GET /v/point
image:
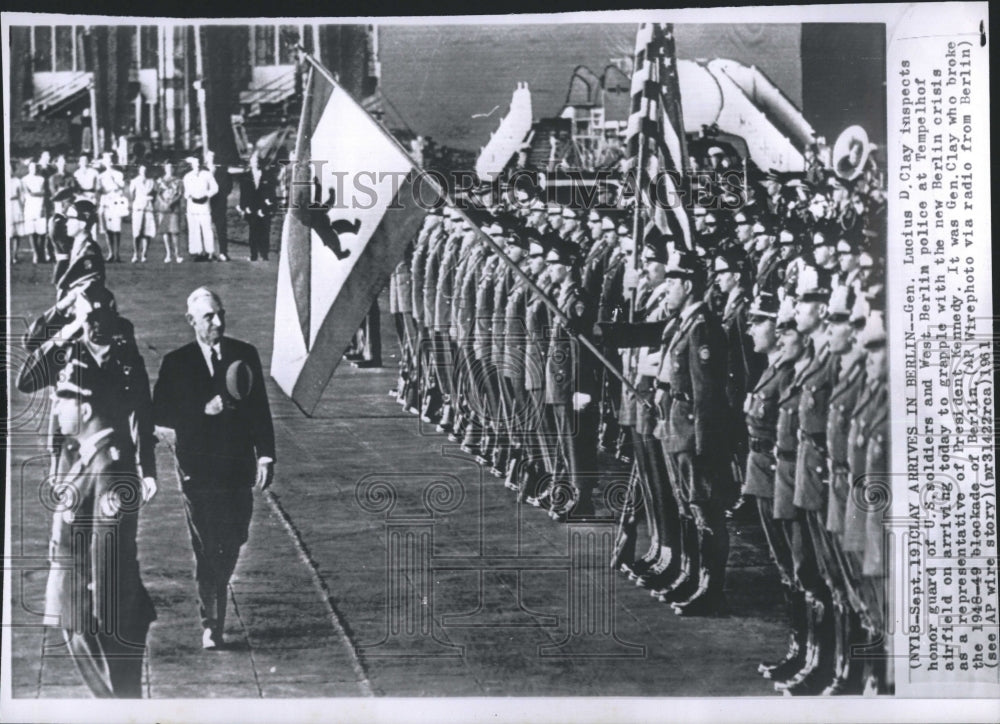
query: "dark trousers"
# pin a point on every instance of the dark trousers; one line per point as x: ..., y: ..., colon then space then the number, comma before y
x: 777, y: 541
x: 576, y: 446
x: 657, y: 493
x: 111, y: 668
x: 221, y: 228
x: 219, y: 521
x: 804, y: 561
x: 260, y: 237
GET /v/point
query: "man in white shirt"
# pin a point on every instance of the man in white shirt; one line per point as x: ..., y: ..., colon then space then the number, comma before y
x: 199, y: 188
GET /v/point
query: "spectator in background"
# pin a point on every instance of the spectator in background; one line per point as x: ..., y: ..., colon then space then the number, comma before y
x: 168, y: 192
x: 141, y: 191
x: 85, y: 177
x: 199, y: 188
x: 33, y: 209
x: 113, y: 206
x: 219, y: 204
x: 15, y: 211
x: 56, y: 182
x: 255, y: 205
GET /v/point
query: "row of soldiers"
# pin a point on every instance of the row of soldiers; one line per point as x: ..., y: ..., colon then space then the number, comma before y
x: 103, y: 464
x: 747, y: 368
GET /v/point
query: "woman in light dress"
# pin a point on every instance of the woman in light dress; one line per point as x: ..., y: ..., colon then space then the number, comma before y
x: 141, y: 191
x: 15, y: 212
x: 169, y: 191
x: 113, y: 206
x: 33, y: 210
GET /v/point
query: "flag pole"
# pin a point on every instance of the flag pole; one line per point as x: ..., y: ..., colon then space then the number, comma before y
x: 482, y: 236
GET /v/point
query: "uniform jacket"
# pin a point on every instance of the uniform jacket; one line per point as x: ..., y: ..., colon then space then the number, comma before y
x: 770, y: 271
x: 761, y: 414
x: 482, y: 341
x: 94, y: 582
x: 877, y: 482
x: 446, y: 289
x: 570, y: 367
x: 515, y: 330
x: 85, y: 260
x: 418, y: 267
x: 126, y: 376
x: 503, y: 282
x: 216, y: 450
x: 647, y: 358
x: 467, y: 288
x: 432, y: 266
x: 613, y: 305
x: 536, y: 317
x: 743, y: 365
x: 816, y: 382
x: 400, y: 286
x: 693, y: 366
x: 843, y: 400
x: 592, y: 273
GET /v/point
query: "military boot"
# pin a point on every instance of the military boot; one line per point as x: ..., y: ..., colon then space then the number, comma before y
x: 848, y: 679
x: 810, y: 657
x: 511, y: 473
x: 708, y: 597
x: 814, y: 677
x: 686, y: 581
x: 633, y: 567
x: 795, y: 657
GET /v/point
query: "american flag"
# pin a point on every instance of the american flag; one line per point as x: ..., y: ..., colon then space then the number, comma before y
x: 656, y: 125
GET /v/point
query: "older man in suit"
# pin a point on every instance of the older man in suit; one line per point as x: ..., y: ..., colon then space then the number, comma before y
x: 210, y: 393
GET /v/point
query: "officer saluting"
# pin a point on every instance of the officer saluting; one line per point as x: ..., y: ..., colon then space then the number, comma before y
x: 84, y: 326
x: 94, y: 591
x: 693, y: 366
x: 82, y: 260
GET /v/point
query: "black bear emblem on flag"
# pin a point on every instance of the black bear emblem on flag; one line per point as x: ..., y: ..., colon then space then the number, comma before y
x: 328, y: 230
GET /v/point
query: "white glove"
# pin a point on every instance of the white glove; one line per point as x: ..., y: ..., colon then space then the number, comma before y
x: 580, y: 400
x: 148, y: 489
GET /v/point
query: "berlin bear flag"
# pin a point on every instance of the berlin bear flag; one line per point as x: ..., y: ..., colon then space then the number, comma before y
x: 355, y: 202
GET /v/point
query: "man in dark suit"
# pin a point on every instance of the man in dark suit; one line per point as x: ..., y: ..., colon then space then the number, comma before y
x: 211, y: 394
x: 256, y: 205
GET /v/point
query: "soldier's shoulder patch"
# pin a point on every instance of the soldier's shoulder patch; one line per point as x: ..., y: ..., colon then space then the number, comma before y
x: 704, y: 353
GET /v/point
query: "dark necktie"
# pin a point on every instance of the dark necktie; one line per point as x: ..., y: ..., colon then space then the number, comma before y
x: 218, y: 374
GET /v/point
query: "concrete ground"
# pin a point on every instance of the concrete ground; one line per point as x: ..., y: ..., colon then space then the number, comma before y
x: 382, y: 562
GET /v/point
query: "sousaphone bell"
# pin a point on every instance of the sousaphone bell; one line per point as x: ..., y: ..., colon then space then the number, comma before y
x: 850, y: 153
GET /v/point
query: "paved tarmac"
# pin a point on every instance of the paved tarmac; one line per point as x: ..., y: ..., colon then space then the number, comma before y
x: 382, y: 562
